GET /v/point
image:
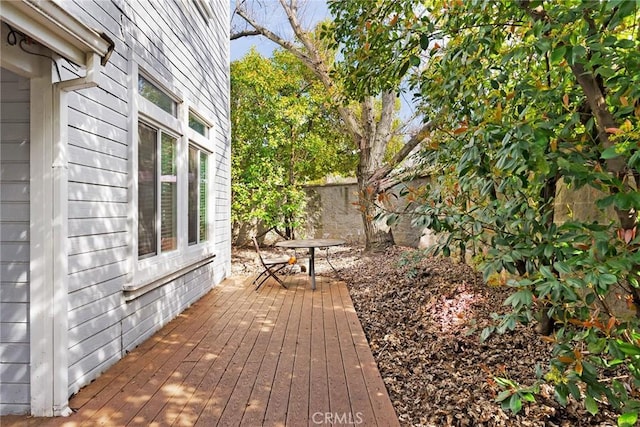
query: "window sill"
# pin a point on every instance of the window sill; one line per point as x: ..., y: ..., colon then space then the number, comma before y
x: 135, y: 290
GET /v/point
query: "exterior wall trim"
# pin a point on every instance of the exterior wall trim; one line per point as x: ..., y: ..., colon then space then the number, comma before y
x: 41, y: 274
x: 55, y: 28
x: 132, y: 292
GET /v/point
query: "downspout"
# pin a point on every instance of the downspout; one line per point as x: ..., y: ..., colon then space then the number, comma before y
x: 60, y: 230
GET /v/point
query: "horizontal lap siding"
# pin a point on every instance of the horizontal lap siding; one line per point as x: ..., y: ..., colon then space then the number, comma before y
x: 190, y: 55
x: 14, y: 244
x: 163, y: 304
x: 178, y: 45
x: 98, y: 191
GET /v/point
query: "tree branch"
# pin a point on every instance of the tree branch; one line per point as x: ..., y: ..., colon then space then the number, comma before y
x: 247, y: 33
x: 285, y: 44
x: 380, y: 180
x: 383, y: 132
x: 594, y: 93
x: 368, y: 121
x: 311, y: 58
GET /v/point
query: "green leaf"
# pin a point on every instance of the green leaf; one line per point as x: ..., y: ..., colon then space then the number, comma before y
x: 545, y: 270
x: 611, y: 152
x: 626, y: 44
x: 628, y: 349
x: 561, y: 267
x: 486, y: 332
x: 520, y: 299
x: 607, y: 279
x: 597, y: 346
x: 591, y: 405
x: 578, y: 53
x: 558, y: 54
x: 574, y: 390
x: 515, y: 403
x: 561, y: 393
x: 628, y: 419
x: 627, y: 200
x: 424, y: 41
x: 528, y: 397
x: 605, y: 202
x: 404, y: 68
x: 504, y: 394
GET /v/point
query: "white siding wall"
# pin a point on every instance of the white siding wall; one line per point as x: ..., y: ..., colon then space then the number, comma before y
x: 14, y: 244
x: 174, y: 40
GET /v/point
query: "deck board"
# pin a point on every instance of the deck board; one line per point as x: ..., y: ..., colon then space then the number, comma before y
x: 318, y: 378
x: 298, y: 393
x: 275, y: 357
x: 336, y: 375
x: 256, y: 407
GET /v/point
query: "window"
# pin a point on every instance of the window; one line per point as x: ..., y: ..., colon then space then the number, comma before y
x: 173, y: 193
x: 156, y: 96
x: 169, y: 194
x: 198, y: 190
x: 157, y: 175
x: 147, y: 199
x: 198, y: 125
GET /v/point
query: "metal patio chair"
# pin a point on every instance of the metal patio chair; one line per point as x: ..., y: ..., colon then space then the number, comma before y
x: 271, y: 266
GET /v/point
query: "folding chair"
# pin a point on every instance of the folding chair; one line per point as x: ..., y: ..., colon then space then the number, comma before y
x: 270, y: 267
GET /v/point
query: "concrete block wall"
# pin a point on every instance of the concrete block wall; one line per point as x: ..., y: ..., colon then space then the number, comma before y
x: 580, y: 204
x: 332, y: 212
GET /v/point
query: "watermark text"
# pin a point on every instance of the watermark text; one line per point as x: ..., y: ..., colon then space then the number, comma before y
x: 337, y: 418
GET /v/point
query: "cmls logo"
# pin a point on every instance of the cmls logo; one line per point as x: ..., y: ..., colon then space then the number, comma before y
x: 336, y: 418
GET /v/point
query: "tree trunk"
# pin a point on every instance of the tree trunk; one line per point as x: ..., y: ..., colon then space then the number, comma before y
x: 377, y: 239
x: 547, y: 195
x: 371, y: 130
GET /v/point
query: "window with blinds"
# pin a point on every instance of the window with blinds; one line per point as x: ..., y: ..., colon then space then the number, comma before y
x: 198, y: 190
x: 157, y: 175
x: 147, y: 196
x: 174, y: 157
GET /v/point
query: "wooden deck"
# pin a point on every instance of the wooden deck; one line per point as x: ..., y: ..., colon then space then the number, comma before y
x: 274, y: 357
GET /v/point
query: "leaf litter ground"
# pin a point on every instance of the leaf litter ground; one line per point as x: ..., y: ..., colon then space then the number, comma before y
x: 423, y: 317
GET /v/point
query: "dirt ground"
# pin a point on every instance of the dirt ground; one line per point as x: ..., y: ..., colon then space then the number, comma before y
x: 423, y: 317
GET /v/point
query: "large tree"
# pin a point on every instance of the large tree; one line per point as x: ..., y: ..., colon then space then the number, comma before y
x: 368, y: 120
x: 284, y: 134
x: 527, y: 93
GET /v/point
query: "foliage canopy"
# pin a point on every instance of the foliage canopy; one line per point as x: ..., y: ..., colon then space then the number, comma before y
x: 284, y: 135
x: 527, y: 95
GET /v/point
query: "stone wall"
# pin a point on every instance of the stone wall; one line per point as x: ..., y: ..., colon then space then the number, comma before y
x: 332, y: 212
x: 580, y: 204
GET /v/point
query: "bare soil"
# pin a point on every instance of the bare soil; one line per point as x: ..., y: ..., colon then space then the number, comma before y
x: 423, y: 317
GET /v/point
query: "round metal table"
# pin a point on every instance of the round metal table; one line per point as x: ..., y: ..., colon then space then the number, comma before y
x: 311, y: 244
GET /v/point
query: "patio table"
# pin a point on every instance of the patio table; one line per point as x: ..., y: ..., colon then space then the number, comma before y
x: 311, y: 244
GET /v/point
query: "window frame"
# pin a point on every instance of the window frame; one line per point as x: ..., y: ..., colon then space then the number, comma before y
x: 204, y: 122
x: 160, y: 132
x: 207, y: 219
x: 149, y: 272
x: 204, y: 144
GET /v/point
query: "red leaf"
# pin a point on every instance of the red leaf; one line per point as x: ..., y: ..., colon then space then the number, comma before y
x: 460, y: 130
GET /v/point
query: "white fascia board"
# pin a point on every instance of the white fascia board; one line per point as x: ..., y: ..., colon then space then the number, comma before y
x: 52, y: 26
